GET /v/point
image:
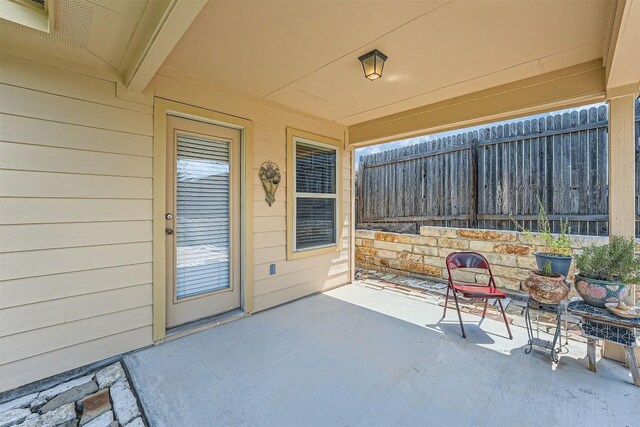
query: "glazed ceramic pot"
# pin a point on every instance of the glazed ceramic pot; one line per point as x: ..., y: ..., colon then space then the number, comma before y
x: 547, y: 290
x: 560, y: 264
x: 599, y: 292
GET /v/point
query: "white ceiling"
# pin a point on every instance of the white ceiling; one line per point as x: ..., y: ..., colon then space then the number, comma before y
x: 303, y: 54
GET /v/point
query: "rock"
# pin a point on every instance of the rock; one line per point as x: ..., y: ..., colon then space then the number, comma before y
x: 37, y: 403
x: 70, y: 423
x: 32, y: 416
x: 124, y: 402
x: 32, y: 422
x: 71, y: 395
x: 60, y: 415
x: 61, y: 388
x: 13, y: 416
x: 21, y: 402
x: 103, y: 420
x: 108, y: 376
x: 115, y: 424
x: 514, y: 310
x: 55, y: 417
x: 95, y: 405
x: 136, y: 423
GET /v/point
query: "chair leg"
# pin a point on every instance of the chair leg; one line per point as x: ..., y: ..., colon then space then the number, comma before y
x: 446, y: 301
x: 484, y: 312
x: 455, y: 297
x: 504, y: 316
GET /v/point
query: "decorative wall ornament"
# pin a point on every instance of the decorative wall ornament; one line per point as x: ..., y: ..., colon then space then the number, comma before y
x: 270, y: 176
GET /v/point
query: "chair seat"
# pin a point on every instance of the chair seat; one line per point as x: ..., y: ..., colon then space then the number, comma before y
x: 471, y: 291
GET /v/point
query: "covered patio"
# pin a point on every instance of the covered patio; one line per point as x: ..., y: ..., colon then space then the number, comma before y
x: 360, y: 356
x: 168, y: 166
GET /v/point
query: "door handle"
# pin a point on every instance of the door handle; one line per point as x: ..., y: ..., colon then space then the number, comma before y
x: 168, y: 231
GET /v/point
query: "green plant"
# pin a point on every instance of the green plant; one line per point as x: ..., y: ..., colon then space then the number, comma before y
x: 559, y: 244
x: 615, y: 261
x: 546, y: 271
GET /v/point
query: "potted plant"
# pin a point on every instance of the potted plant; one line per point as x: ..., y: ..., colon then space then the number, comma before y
x: 605, y: 271
x: 545, y: 286
x: 559, y: 245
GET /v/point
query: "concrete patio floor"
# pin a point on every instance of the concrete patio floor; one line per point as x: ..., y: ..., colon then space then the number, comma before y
x: 356, y: 356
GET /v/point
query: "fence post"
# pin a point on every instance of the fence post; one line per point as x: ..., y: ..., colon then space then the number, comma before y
x: 360, y: 193
x: 473, y: 185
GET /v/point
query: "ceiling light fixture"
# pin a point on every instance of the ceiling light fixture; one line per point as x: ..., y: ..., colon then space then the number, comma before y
x: 373, y: 63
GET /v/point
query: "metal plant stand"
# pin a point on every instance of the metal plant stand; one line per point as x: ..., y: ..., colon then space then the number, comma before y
x: 553, y: 346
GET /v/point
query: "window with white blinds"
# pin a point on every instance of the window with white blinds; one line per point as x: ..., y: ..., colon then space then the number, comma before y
x: 315, y: 195
x: 202, y: 220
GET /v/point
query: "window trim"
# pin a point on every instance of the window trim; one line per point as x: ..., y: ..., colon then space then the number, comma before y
x: 294, y: 135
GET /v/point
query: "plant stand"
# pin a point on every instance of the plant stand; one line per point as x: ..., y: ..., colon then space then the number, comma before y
x: 552, y: 346
x: 598, y: 324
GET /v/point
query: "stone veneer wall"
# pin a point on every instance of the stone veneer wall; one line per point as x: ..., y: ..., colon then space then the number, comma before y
x: 510, y: 253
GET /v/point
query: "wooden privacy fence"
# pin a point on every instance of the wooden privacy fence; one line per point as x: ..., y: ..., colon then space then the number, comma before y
x: 477, y: 179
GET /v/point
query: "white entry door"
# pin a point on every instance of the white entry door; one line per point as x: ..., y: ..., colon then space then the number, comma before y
x: 202, y: 220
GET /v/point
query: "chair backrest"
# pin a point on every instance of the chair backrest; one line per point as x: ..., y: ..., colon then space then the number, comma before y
x: 457, y: 260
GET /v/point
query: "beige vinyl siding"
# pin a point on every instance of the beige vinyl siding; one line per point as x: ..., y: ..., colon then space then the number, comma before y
x: 75, y: 221
x: 76, y: 168
x: 17, y: 265
x: 31, y: 103
x: 32, y: 290
x: 28, y: 237
x: 24, y: 157
x: 66, y: 358
x: 53, y: 134
x: 296, y: 278
x: 49, y: 211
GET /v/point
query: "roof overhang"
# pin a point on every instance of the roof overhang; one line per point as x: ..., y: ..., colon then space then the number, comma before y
x: 161, y: 27
x: 622, y: 59
x: 564, y: 88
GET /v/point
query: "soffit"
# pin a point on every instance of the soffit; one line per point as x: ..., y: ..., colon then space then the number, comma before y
x: 93, y: 32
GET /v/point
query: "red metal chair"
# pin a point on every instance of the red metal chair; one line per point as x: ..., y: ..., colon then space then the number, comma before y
x: 487, y: 291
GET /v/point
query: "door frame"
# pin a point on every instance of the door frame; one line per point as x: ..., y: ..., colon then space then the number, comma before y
x: 161, y: 108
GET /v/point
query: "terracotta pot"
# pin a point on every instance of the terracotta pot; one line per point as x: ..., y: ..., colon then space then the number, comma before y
x: 547, y: 290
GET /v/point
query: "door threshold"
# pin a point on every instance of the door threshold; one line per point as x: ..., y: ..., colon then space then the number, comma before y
x: 204, y: 324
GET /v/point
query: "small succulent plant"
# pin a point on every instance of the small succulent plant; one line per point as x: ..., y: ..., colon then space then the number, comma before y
x: 546, y: 271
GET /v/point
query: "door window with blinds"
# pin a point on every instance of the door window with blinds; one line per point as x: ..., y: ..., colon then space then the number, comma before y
x: 203, y: 221
x: 315, y: 194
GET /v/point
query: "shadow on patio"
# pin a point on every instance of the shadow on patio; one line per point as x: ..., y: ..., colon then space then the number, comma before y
x: 359, y: 356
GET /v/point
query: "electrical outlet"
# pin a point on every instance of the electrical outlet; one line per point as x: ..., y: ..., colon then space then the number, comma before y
x: 272, y: 269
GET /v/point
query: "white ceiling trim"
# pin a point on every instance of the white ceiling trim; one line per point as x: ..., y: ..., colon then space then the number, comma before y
x: 162, y: 25
x: 623, y: 53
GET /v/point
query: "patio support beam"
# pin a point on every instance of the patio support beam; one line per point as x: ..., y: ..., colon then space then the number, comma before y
x: 573, y: 86
x: 161, y: 27
x: 622, y: 61
x: 622, y: 156
x: 622, y: 201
